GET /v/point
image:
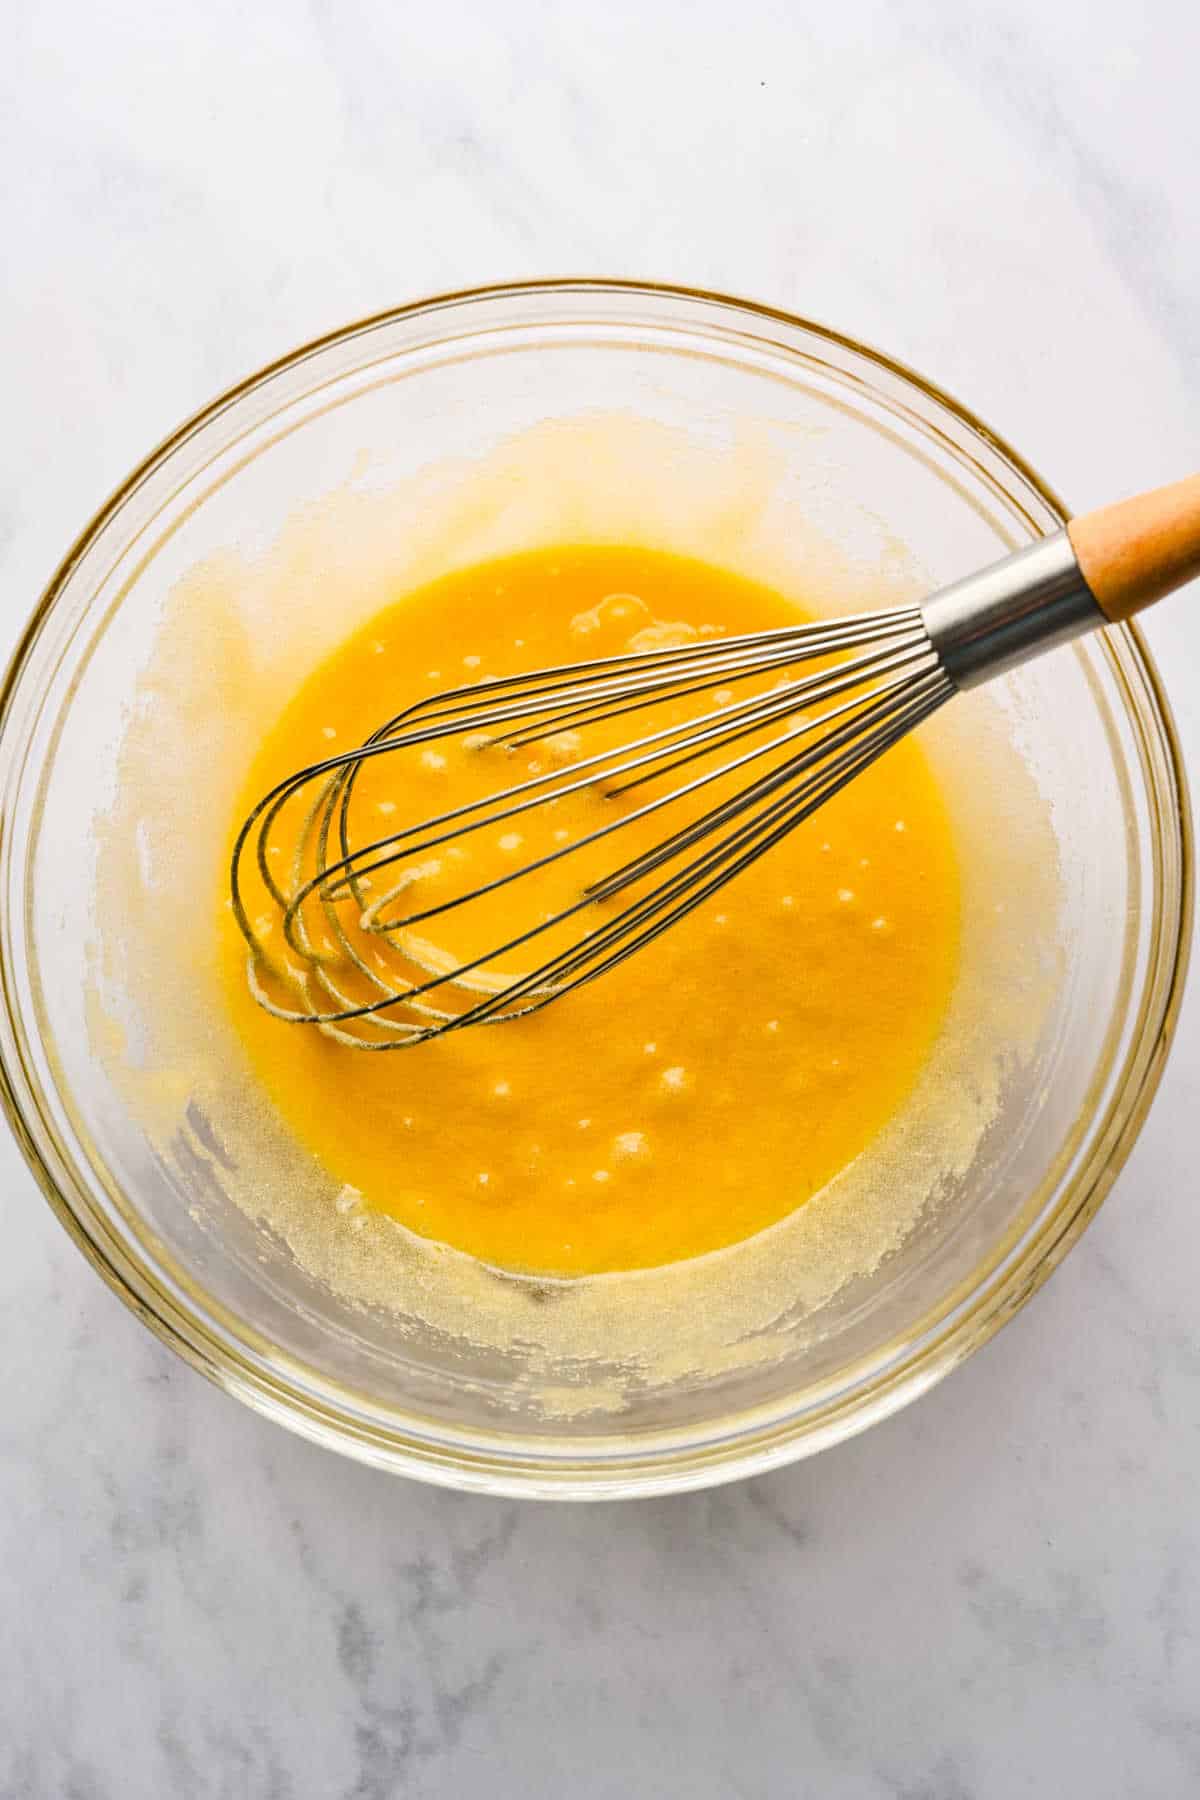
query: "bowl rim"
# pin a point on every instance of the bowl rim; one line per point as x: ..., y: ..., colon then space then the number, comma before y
x: 745, y: 1449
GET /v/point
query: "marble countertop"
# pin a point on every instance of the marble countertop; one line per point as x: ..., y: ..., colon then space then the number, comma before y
x: 996, y: 1593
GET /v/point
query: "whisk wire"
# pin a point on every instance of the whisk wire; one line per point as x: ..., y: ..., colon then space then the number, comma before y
x: 748, y: 716
x: 880, y: 669
x: 654, y: 912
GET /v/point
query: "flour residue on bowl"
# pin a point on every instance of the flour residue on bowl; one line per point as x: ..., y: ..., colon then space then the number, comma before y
x: 239, y: 635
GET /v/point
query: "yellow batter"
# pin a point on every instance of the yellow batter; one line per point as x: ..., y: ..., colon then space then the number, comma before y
x: 708, y: 1086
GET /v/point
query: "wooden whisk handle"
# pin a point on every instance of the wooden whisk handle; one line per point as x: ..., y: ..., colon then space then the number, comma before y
x: 1133, y: 553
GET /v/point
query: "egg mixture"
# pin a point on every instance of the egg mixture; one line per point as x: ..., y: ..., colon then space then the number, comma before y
x: 696, y: 1094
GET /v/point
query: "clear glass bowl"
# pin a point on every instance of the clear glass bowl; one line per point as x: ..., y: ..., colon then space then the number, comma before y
x: 867, y: 452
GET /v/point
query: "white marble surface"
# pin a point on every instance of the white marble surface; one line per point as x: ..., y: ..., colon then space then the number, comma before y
x: 996, y: 1594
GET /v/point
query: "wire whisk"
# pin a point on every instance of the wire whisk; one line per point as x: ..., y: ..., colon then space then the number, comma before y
x: 753, y: 734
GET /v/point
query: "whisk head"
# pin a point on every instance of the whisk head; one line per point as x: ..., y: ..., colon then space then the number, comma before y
x: 643, y: 783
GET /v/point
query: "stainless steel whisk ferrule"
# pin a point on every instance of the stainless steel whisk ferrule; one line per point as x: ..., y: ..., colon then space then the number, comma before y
x: 1000, y: 617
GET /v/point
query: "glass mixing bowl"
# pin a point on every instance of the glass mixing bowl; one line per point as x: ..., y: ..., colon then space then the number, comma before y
x: 866, y: 453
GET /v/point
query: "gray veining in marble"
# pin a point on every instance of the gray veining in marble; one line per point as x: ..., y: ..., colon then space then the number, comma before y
x: 996, y: 1594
